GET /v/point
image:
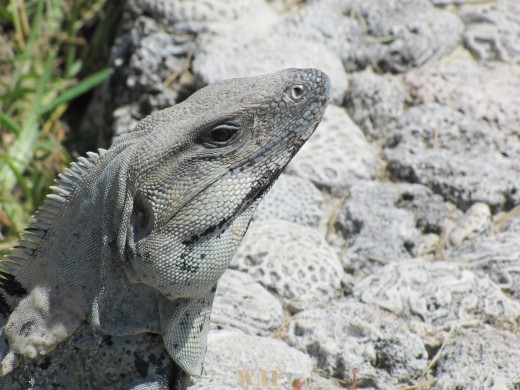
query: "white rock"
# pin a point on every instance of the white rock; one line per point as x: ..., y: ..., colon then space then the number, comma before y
x: 475, y: 221
x: 237, y: 361
x: 243, y: 304
x: 350, y: 335
x: 440, y: 294
x: 294, y: 261
x: 292, y: 199
x: 479, y: 358
x: 336, y: 154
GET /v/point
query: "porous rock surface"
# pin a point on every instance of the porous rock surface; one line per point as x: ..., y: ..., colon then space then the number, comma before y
x: 235, y: 361
x: 349, y: 335
x: 390, y: 245
x: 440, y: 294
x: 463, y: 160
x: 336, y: 154
x: 385, y: 222
x: 292, y: 260
x: 292, y: 199
x: 483, y: 358
x: 492, y: 30
x: 241, y: 303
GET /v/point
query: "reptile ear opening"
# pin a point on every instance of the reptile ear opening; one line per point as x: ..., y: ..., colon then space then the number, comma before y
x: 141, y: 219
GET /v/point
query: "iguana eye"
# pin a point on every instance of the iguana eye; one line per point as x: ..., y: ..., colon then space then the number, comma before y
x: 297, y: 91
x: 221, y: 135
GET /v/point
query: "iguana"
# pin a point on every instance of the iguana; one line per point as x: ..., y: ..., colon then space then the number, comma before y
x: 135, y: 238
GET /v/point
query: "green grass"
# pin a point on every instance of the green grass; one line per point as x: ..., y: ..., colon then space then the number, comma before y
x: 42, y: 65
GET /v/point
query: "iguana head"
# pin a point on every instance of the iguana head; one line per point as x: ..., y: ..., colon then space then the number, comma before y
x: 196, y: 178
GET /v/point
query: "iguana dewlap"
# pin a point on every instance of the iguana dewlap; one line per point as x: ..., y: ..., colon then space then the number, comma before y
x: 135, y: 238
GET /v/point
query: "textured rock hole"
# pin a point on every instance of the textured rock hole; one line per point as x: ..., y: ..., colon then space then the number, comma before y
x: 45, y: 363
x: 355, y: 331
x: 331, y: 173
x: 323, y: 273
x: 340, y: 367
x: 275, y: 278
x: 407, y: 197
x: 383, y: 360
x: 298, y: 330
x: 410, y: 247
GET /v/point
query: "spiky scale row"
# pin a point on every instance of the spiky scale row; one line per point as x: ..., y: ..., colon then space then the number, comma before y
x: 45, y: 216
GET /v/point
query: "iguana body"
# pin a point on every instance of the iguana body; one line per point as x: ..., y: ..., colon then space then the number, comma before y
x: 135, y: 238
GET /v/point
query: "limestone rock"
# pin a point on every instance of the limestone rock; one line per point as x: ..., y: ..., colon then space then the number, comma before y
x: 96, y: 360
x: 497, y: 256
x: 479, y: 358
x: 492, y: 30
x: 375, y: 102
x: 235, y: 361
x: 404, y: 34
x: 241, y: 303
x: 351, y: 336
x: 336, y: 154
x: 383, y: 222
x: 462, y: 160
x: 475, y: 221
x: 292, y: 199
x: 485, y: 92
x: 439, y: 294
x: 196, y: 10
x: 340, y: 33
x: 292, y: 260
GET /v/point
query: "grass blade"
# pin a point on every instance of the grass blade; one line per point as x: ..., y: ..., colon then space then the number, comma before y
x: 77, y: 90
x: 10, y: 123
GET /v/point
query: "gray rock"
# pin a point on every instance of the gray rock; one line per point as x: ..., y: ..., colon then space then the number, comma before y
x: 476, y: 221
x: 292, y: 199
x: 336, y: 154
x: 447, y: 2
x: 485, y: 92
x: 92, y: 360
x: 327, y: 25
x: 243, y: 304
x: 507, y: 221
x: 479, y: 358
x: 404, y: 33
x: 492, y: 30
x: 317, y: 382
x: 497, y: 255
x: 351, y: 336
x: 237, y: 361
x: 458, y: 158
x: 440, y: 294
x: 223, y: 56
x: 292, y: 260
x: 375, y: 102
x: 195, y: 10
x: 382, y: 223
x: 143, y: 60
